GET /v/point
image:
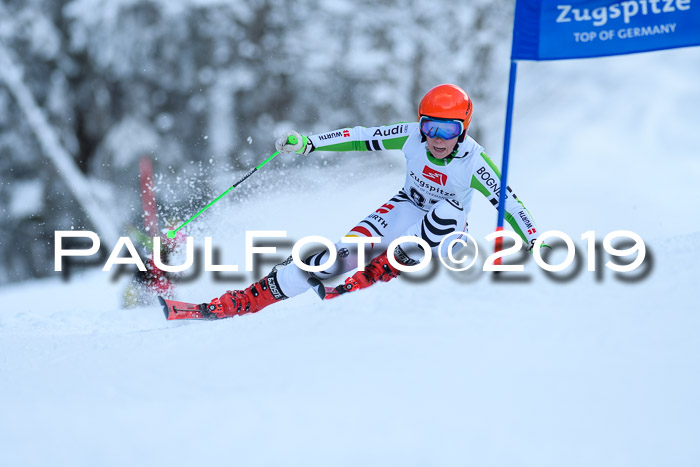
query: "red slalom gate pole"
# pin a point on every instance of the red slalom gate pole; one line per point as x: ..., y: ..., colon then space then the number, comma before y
x: 148, y: 196
x: 498, y: 247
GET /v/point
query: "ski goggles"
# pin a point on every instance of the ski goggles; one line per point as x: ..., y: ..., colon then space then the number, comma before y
x: 441, y: 128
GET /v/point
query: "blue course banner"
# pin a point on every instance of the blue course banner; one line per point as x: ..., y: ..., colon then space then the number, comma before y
x: 558, y: 29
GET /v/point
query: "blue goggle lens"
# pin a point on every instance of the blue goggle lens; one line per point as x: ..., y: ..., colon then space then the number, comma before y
x: 445, y: 129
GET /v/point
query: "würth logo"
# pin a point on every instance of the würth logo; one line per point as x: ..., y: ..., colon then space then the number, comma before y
x: 434, y: 176
x: 346, y: 133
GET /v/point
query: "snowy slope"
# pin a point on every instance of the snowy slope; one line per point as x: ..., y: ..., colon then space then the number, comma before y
x: 457, y: 370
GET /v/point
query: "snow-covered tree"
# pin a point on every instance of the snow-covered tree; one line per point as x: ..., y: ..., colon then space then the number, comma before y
x: 204, y: 84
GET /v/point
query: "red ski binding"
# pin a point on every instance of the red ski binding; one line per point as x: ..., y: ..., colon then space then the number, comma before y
x: 326, y: 293
x: 350, y: 285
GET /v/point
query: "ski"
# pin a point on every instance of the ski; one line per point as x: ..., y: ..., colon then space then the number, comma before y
x: 183, y: 310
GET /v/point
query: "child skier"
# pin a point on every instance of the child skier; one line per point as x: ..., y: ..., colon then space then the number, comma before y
x: 444, y: 166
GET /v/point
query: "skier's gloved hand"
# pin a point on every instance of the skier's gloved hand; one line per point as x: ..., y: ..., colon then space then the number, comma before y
x: 532, y: 245
x: 291, y: 141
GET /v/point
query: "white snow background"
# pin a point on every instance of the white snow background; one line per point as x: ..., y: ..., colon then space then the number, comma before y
x: 451, y: 371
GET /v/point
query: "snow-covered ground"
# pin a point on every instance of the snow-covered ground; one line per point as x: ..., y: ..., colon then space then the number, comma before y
x: 456, y: 370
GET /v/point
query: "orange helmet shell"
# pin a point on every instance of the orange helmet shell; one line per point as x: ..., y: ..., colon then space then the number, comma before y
x: 447, y: 101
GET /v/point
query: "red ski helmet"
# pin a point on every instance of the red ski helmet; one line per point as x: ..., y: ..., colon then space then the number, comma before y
x: 447, y: 101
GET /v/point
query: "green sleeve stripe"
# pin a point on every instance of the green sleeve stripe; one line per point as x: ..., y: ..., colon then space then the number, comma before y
x: 491, y: 164
x: 511, y: 220
x: 345, y: 146
x: 479, y: 186
x: 395, y: 143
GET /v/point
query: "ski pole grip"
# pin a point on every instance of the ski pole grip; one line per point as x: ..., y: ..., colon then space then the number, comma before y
x: 292, y: 139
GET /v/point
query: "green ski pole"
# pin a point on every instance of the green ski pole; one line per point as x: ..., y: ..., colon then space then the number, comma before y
x: 172, y: 233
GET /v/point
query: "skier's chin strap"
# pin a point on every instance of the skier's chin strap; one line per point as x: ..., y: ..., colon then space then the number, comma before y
x: 453, y: 156
x: 447, y: 159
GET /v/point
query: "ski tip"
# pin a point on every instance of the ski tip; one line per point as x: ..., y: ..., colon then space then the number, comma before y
x: 162, y: 302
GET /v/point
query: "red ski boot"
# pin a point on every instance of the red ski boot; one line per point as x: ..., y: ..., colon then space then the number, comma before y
x: 251, y: 300
x: 379, y: 269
